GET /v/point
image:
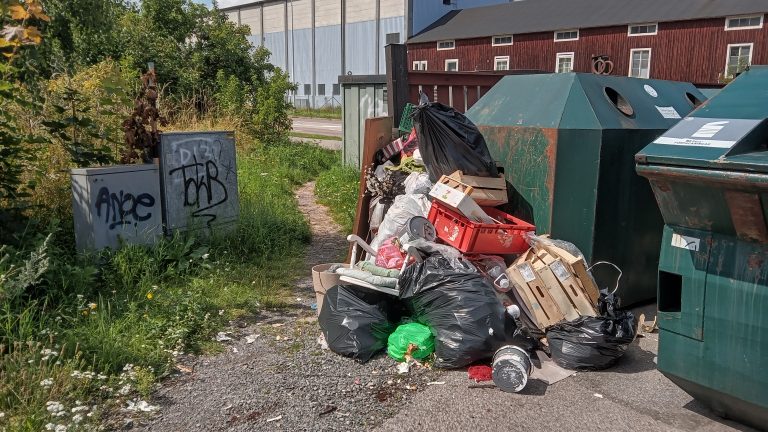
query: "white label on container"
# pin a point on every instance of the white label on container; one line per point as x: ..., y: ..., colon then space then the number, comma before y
x: 650, y: 90
x: 668, y: 112
x: 685, y: 242
x: 707, y: 132
x: 560, y: 271
x: 526, y: 271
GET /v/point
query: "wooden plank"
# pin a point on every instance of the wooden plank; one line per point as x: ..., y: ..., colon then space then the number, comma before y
x: 378, y: 133
x: 397, y: 80
x: 552, y: 285
x: 535, y: 311
x: 538, y: 290
x: 579, y: 268
x: 572, y: 288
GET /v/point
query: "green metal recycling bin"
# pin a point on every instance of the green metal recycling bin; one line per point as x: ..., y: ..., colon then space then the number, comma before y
x: 567, y: 143
x: 710, y: 177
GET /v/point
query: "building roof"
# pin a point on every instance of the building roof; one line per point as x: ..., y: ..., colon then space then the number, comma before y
x: 532, y: 16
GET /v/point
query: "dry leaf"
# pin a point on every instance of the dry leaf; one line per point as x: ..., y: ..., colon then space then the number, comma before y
x: 18, y: 12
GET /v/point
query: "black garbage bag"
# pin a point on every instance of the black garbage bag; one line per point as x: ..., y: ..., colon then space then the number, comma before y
x: 448, y: 141
x: 459, y: 305
x: 356, y: 323
x: 593, y: 343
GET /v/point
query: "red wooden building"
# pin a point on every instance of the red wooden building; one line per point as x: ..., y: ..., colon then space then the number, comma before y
x: 699, y: 41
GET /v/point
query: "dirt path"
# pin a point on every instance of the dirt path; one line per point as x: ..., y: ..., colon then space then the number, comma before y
x: 275, y: 376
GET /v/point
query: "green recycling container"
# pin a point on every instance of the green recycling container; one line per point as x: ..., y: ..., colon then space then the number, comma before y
x: 567, y: 144
x: 710, y: 177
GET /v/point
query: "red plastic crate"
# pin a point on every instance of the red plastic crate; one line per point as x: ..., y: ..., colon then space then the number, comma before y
x: 473, y: 237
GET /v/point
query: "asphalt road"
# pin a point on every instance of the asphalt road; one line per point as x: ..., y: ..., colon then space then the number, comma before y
x: 317, y: 126
x: 632, y: 396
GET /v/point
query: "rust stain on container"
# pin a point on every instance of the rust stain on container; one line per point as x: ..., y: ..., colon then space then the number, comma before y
x: 747, y: 215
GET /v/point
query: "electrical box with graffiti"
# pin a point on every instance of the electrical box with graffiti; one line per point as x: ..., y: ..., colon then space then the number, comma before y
x: 198, y: 176
x: 116, y: 204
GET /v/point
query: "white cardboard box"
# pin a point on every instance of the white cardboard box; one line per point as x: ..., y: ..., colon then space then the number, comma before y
x: 460, y: 202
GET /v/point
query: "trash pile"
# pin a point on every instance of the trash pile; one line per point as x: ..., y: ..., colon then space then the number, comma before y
x: 443, y: 278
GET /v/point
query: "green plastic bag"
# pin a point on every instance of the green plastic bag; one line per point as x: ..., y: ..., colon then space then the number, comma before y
x: 407, y: 334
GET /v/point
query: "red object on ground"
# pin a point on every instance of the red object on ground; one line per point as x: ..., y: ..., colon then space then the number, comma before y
x: 480, y: 373
x: 479, y: 238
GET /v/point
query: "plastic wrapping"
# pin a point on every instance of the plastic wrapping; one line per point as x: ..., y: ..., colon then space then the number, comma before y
x: 593, y: 343
x: 448, y: 142
x: 357, y: 323
x: 468, y: 321
x: 418, y: 335
x: 404, y: 208
x: 450, y: 253
x: 389, y: 255
x: 538, y: 242
x: 418, y: 183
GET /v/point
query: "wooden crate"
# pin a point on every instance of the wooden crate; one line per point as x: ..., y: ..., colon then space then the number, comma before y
x: 486, y: 191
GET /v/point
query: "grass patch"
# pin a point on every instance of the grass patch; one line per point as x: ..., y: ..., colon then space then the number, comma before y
x: 338, y: 189
x: 315, y: 136
x: 326, y: 113
x: 78, y: 332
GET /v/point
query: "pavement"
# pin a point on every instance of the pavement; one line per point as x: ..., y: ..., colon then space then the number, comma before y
x: 632, y: 396
x: 317, y: 126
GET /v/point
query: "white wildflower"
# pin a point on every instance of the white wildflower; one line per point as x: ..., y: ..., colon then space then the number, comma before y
x: 60, y: 428
x: 55, y: 408
x: 50, y: 426
x: 205, y: 256
x: 77, y: 418
x: 79, y: 408
x: 124, y: 390
x: 2, y: 414
x: 46, y: 382
x: 140, y: 405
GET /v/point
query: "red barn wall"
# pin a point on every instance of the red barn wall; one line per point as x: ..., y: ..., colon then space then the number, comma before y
x: 693, y: 51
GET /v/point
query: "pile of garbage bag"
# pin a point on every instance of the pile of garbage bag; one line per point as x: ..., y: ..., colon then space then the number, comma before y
x: 465, y: 282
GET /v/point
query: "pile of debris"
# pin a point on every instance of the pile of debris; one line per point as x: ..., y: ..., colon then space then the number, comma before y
x: 449, y: 280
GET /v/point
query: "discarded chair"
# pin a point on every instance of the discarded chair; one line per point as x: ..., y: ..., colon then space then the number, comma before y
x: 360, y: 277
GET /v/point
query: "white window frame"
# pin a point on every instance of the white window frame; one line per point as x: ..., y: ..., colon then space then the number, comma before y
x: 578, y: 33
x: 511, y: 40
x: 452, y: 61
x: 453, y: 45
x: 570, y: 55
x: 419, y: 65
x: 650, y: 55
x: 497, y: 59
x: 728, y: 20
x: 751, y: 46
x: 629, y: 29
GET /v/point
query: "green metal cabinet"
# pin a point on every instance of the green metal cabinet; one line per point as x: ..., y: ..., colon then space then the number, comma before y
x: 709, y: 174
x: 567, y: 143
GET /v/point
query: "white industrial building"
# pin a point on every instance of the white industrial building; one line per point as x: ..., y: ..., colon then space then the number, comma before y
x: 318, y: 40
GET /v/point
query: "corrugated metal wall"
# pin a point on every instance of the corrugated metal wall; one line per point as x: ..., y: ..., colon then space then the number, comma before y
x: 691, y: 51
x: 361, y: 101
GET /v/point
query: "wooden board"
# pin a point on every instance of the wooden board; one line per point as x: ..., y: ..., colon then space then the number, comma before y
x: 572, y: 288
x: 486, y: 191
x: 556, y: 291
x: 536, y: 290
x: 579, y: 268
x: 378, y: 133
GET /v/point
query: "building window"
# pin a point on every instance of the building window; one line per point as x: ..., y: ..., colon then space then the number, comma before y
x: 337, y: 89
x: 564, y: 62
x: 452, y: 65
x: 501, y: 63
x: 744, y: 22
x: 321, y: 89
x: 739, y: 57
x: 566, y: 35
x: 446, y: 45
x: 420, y: 65
x: 643, y: 29
x: 307, y: 89
x: 501, y: 40
x: 640, y: 63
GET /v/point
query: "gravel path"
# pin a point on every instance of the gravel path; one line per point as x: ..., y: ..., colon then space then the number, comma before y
x: 275, y: 376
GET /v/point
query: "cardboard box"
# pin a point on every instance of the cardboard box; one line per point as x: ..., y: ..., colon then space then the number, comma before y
x: 460, y: 201
x: 486, y: 191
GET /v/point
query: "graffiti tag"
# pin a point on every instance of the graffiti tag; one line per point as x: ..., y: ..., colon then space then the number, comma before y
x: 123, y: 208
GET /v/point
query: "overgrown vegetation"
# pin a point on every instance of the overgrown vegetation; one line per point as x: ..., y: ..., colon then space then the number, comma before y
x: 82, y: 335
x: 326, y: 113
x: 338, y: 189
